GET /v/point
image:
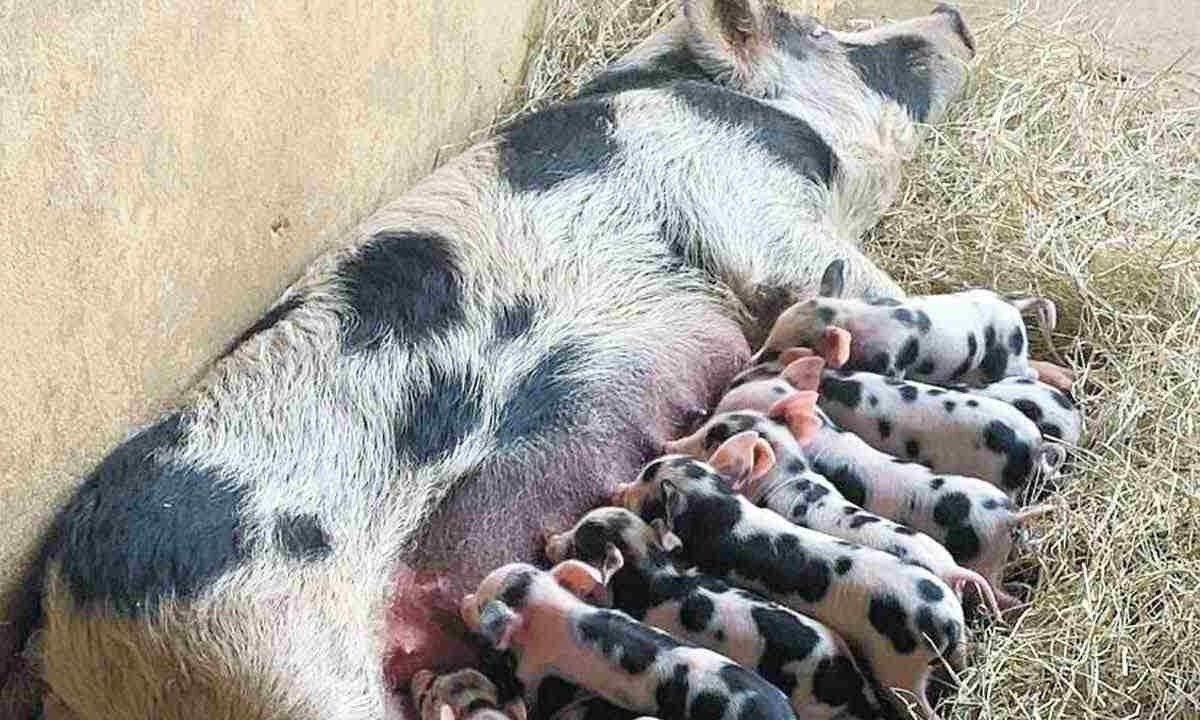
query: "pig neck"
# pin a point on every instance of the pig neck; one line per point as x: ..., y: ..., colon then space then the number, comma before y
x: 639, y: 585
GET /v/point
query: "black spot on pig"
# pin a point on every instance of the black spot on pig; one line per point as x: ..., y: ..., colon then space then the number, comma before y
x: 873, y: 400
x: 935, y: 392
x: 695, y: 471
x: 843, y: 565
x: 543, y: 149
x: 878, y: 364
x: 909, y: 393
x: 663, y: 70
x: 516, y: 590
x: 512, y: 320
x: 796, y: 466
x: 962, y: 543
x: 1016, y: 341
x: 994, y: 363
x: 404, y: 285
x: 716, y: 435
x: 1051, y: 431
x: 969, y: 361
x: 1029, y: 409
x: 301, y: 537
x: 548, y: 398
x: 859, y: 520
x: 904, y: 315
x: 269, y: 320
x: 1064, y: 400
x: 903, y: 530
x: 897, y: 69
x: 846, y: 392
x: 949, y: 405
x: 1000, y: 438
x: 838, y: 683
x: 924, y: 324
x: 825, y: 314
x: 885, y: 429
x: 177, y: 524
x: 926, y: 368
x: 937, y: 483
x: 615, y: 635
x: 912, y: 448
x: 790, y: 140
x: 696, y: 612
x: 908, y: 353
x: 887, y: 615
x: 849, y: 509
x: 848, y: 483
x: 929, y: 591
x: 709, y: 705
x: 671, y: 694
x: 440, y: 415
x: 972, y: 403
x: 788, y: 640
x: 952, y: 509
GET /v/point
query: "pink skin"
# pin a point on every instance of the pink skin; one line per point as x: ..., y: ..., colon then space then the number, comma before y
x: 424, y: 630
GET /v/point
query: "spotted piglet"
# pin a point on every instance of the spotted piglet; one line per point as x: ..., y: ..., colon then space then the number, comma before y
x: 972, y: 337
x: 946, y: 430
x: 806, y: 496
x: 463, y: 695
x: 897, y: 616
x: 797, y: 654
x: 540, y: 617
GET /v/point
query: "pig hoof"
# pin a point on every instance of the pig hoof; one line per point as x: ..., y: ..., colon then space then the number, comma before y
x: 452, y: 696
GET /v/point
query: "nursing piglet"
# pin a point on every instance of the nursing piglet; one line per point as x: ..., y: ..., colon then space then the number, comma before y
x: 795, y: 653
x: 463, y: 695
x: 897, y: 616
x: 946, y: 430
x: 553, y: 633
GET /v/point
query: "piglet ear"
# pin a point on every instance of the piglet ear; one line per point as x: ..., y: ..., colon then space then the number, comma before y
x: 805, y: 373
x: 798, y: 412
x: 743, y: 458
x: 789, y: 356
x: 498, y: 624
x: 834, y: 346
x: 667, y: 539
x: 729, y: 38
x: 833, y: 281
x: 613, y: 562
x: 582, y: 580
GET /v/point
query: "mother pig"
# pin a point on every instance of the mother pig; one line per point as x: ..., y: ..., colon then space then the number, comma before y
x: 489, y: 354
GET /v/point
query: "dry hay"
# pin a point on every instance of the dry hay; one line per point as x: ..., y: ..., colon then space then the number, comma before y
x: 1056, y: 174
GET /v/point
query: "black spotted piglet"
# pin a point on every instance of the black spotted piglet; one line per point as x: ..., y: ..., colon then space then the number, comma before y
x: 973, y: 337
x: 945, y: 430
x: 540, y: 617
x: 805, y: 496
x: 799, y: 655
x: 897, y: 616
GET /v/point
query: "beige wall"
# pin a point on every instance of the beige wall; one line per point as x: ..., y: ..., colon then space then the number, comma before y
x: 167, y: 167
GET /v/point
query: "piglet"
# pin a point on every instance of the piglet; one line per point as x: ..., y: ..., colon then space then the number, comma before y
x: 463, y: 695
x: 949, y: 431
x: 797, y: 654
x: 898, y: 616
x: 972, y: 337
x: 552, y: 632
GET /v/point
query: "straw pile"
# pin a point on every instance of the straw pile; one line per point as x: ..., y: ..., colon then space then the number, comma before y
x: 1060, y: 175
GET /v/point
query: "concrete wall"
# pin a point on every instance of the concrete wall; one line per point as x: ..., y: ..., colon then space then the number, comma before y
x: 167, y: 167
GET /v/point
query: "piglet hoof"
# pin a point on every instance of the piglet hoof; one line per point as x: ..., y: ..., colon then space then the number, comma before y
x: 456, y: 696
x: 1053, y: 375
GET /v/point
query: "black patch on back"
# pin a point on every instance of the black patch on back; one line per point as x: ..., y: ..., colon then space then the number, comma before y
x: 1029, y: 409
x: 269, y: 320
x: 709, y: 705
x: 549, y: 398
x: 787, y: 138
x: 969, y: 361
x: 885, y: 429
x: 671, y: 694
x: 615, y: 635
x: 404, y: 285
x: 896, y: 69
x: 858, y: 521
x: 912, y: 448
x: 543, y: 149
x: 663, y: 70
x: 847, y: 482
x: 696, y: 612
x: 788, y: 640
x: 301, y: 537
x: 838, y: 683
x: 846, y: 392
x: 512, y: 320
x: 142, y: 528
x: 903, y: 530
x: 909, y: 393
x: 1016, y: 341
x: 929, y: 591
x: 516, y: 590
x: 440, y: 416
x: 888, y: 616
x: 908, y: 353
x: 951, y: 509
x: 1000, y: 438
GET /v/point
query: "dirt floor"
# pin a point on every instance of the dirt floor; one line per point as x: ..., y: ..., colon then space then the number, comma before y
x: 1144, y: 36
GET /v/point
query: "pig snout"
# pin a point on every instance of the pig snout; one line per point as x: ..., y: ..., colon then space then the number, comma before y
x: 958, y: 24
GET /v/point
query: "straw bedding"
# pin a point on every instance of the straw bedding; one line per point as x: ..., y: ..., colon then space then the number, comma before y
x: 1059, y: 174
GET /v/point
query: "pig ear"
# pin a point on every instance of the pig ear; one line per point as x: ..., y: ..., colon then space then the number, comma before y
x: 613, y: 562
x: 805, y: 373
x: 834, y: 346
x: 498, y: 624
x: 833, y: 282
x: 791, y: 355
x: 582, y: 580
x: 667, y: 539
x: 798, y: 412
x: 743, y: 458
x: 729, y: 39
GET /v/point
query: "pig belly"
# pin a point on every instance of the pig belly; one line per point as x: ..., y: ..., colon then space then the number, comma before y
x: 499, y: 515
